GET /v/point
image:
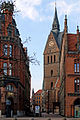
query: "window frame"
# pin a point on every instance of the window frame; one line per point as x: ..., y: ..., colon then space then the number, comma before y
x: 10, y: 50
x: 5, y: 49
x: 5, y: 68
x: 77, y: 85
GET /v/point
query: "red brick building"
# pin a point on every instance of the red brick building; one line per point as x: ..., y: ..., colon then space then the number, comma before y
x: 37, y: 99
x: 70, y: 74
x: 14, y: 66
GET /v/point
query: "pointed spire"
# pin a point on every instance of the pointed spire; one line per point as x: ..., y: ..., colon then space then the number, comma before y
x: 55, y: 26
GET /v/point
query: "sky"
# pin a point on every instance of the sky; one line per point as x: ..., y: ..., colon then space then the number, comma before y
x: 34, y: 19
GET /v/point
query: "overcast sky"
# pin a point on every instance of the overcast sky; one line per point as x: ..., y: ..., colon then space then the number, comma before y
x: 35, y: 20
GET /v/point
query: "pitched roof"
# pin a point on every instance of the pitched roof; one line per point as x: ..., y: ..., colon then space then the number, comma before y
x: 72, y: 42
x: 58, y: 38
x: 38, y: 92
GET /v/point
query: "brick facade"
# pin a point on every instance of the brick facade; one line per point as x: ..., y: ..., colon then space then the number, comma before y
x: 14, y: 66
x: 69, y: 74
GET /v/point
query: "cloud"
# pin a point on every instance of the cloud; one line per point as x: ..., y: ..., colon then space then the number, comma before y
x: 38, y: 10
x: 65, y: 7
x: 28, y: 8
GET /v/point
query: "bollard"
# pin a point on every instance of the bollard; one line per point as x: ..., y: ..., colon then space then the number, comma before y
x: 49, y: 119
x: 15, y: 118
x: 32, y: 119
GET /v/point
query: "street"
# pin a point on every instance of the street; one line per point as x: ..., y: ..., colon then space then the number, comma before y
x: 45, y: 116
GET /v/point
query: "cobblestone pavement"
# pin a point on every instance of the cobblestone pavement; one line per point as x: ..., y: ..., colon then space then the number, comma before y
x: 45, y: 116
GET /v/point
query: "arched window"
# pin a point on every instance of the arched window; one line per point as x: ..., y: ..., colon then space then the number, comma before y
x: 54, y: 58
x: 51, y: 72
x: 77, y: 85
x: 76, y: 67
x: 48, y: 59
x: 5, y: 68
x: 51, y: 59
x: 10, y: 50
x: 51, y: 85
x: 5, y: 49
x: 9, y: 88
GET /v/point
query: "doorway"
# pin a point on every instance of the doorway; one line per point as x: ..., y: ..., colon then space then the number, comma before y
x: 77, y: 108
x: 9, y: 107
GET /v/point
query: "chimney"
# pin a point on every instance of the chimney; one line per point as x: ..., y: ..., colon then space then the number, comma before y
x: 65, y: 24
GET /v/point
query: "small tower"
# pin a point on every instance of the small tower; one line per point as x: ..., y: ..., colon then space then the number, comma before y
x: 55, y: 25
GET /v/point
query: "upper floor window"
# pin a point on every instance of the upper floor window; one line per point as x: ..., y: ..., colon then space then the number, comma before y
x: 5, y: 68
x: 54, y: 58
x: 9, y: 87
x: 51, y: 59
x: 10, y: 69
x: 51, y: 85
x: 48, y: 59
x: 10, y: 50
x: 76, y: 67
x: 5, y: 49
x: 51, y: 72
x: 77, y: 85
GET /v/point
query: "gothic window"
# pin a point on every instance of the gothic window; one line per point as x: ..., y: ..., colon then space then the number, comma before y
x: 10, y: 69
x: 51, y: 72
x: 54, y: 58
x: 77, y: 85
x: 76, y: 67
x: 5, y: 49
x: 9, y: 88
x: 51, y: 59
x: 10, y: 50
x: 48, y: 59
x: 51, y: 85
x: 5, y: 68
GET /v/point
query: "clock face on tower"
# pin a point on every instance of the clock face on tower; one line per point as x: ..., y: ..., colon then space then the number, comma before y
x: 51, y: 44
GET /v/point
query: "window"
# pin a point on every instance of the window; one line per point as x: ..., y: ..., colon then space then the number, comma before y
x: 10, y: 69
x: 51, y: 85
x: 5, y: 68
x: 77, y: 85
x: 51, y: 72
x: 51, y: 59
x: 10, y: 50
x: 9, y: 87
x: 54, y: 58
x: 5, y: 50
x: 76, y: 67
x: 39, y: 101
x: 48, y: 59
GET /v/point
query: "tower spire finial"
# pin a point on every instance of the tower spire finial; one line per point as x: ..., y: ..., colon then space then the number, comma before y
x: 55, y: 25
x: 55, y: 3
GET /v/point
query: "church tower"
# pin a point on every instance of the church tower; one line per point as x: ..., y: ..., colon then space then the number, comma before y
x: 51, y: 64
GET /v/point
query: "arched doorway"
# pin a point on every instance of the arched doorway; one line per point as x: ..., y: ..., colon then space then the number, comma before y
x: 77, y: 108
x: 9, y: 107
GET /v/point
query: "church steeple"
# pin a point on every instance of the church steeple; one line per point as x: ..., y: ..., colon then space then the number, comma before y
x: 55, y: 25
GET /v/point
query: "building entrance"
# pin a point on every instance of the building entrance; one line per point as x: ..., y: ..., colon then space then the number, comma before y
x: 77, y: 108
x: 9, y: 107
x: 77, y: 111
